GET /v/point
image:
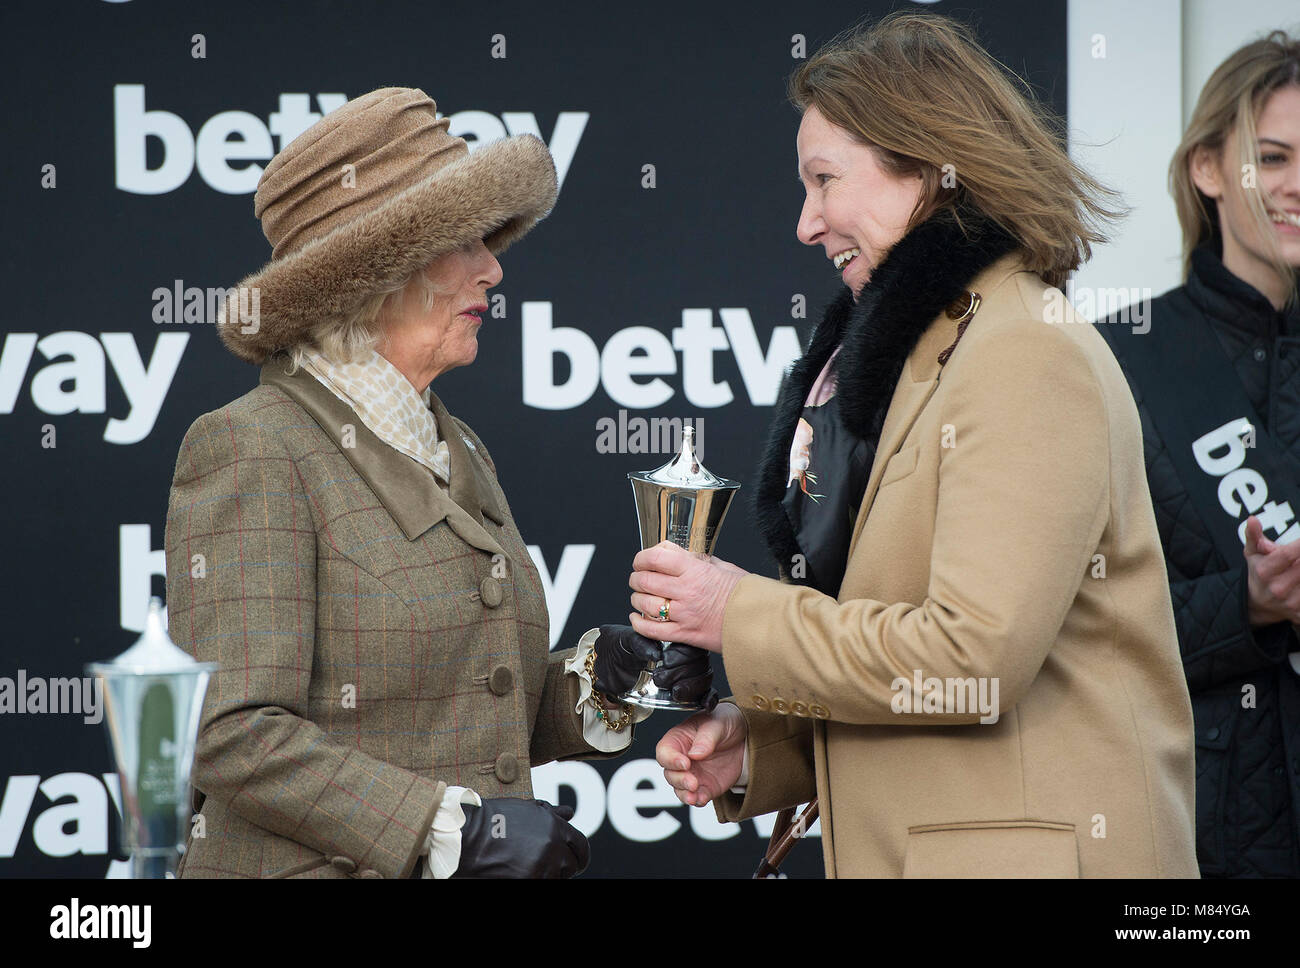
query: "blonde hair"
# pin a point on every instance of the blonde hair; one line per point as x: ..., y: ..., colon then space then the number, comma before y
x: 920, y: 90
x: 1227, y: 110
x: 352, y: 337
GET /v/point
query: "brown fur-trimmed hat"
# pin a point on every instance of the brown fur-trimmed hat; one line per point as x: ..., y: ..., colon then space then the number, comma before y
x: 370, y: 193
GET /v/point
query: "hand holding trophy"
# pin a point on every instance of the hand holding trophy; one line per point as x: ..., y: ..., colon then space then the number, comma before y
x: 683, y: 503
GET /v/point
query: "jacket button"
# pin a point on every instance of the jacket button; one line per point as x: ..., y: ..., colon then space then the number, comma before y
x: 345, y: 864
x: 489, y: 590
x: 507, y: 768
x: 799, y: 707
x: 1260, y: 354
x: 760, y: 702
x: 779, y: 706
x: 501, y: 680
x: 819, y: 711
x: 368, y: 873
x: 1212, y: 733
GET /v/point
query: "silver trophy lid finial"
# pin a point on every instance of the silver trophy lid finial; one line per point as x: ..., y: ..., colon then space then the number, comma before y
x: 685, y: 469
x: 154, y: 653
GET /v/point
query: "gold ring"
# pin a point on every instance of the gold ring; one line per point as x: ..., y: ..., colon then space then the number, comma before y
x: 663, y: 611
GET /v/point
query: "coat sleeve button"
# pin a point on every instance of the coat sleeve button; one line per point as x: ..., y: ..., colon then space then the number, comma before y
x: 501, y: 681
x: 760, y: 702
x: 507, y: 768
x: 345, y: 864
x: 779, y: 705
x: 819, y: 711
x: 489, y: 590
x: 368, y: 873
x: 799, y: 708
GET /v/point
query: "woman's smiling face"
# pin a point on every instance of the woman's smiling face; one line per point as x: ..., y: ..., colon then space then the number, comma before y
x: 851, y: 202
x: 1246, y: 248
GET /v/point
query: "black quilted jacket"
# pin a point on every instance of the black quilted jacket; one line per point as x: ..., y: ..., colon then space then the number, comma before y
x: 1247, y: 759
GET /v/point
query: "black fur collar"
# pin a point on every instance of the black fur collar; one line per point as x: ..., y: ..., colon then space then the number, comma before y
x: 918, y: 279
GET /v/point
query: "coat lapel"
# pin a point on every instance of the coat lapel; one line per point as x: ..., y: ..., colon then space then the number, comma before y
x: 920, y: 378
x: 407, y: 490
x: 909, y: 400
x: 470, y: 487
x: 916, y: 385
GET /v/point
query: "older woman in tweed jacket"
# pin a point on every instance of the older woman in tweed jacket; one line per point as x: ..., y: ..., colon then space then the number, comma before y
x: 342, y: 546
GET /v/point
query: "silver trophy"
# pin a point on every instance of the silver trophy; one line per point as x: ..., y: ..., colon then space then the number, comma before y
x: 685, y: 504
x: 153, y: 696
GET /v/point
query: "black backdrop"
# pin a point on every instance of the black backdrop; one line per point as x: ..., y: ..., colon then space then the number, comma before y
x: 95, y: 394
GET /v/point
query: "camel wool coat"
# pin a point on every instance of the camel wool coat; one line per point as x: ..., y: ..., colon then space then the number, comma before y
x: 1006, y: 532
x: 378, y: 637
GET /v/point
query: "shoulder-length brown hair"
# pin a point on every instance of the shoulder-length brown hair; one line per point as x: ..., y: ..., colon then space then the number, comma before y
x: 1225, y: 116
x: 920, y: 90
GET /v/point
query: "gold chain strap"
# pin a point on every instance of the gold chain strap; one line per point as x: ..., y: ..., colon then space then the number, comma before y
x: 614, y: 726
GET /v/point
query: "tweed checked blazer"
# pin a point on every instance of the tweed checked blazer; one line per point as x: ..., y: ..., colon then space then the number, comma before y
x: 378, y: 637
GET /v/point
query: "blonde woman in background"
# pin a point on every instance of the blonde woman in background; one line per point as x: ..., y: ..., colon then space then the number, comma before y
x: 1223, y: 352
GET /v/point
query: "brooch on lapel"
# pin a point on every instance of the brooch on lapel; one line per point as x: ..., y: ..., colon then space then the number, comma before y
x: 962, y: 311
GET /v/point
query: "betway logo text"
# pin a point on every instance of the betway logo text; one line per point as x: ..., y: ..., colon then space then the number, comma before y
x: 646, y: 353
x: 72, y: 814
x: 79, y: 384
x: 228, y: 146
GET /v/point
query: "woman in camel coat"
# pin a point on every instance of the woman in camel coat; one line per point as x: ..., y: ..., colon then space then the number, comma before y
x: 970, y: 659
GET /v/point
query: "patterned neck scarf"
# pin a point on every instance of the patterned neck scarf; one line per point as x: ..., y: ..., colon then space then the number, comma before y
x: 388, y: 404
